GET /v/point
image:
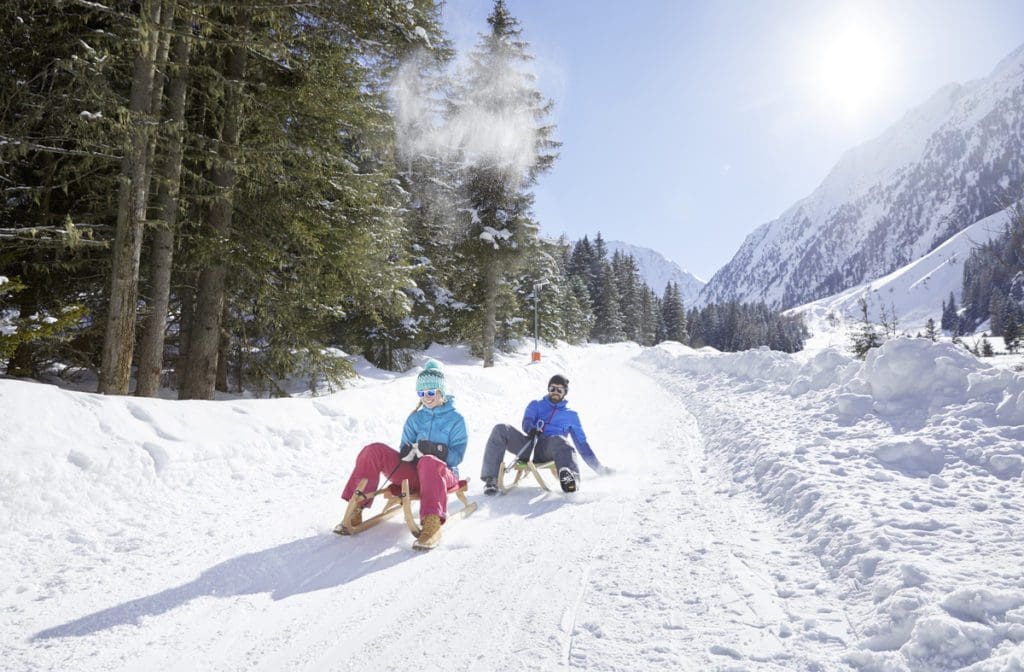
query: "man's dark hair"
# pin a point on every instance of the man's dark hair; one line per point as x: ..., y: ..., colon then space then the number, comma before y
x: 559, y: 379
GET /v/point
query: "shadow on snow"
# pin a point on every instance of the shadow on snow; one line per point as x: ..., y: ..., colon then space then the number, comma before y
x: 301, y: 566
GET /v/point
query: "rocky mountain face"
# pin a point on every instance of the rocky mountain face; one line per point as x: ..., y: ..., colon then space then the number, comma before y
x: 947, y: 164
x: 657, y: 271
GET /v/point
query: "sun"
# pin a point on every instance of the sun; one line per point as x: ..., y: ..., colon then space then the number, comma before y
x: 850, y: 69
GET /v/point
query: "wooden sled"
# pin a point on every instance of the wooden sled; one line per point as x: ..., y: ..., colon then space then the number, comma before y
x: 397, y: 498
x: 521, y: 469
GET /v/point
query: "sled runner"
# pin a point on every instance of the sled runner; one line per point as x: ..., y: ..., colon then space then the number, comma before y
x: 396, y: 498
x: 521, y: 469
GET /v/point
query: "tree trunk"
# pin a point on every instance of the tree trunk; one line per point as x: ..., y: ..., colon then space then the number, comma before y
x: 187, y: 295
x: 119, y: 338
x: 151, y: 347
x: 204, y: 340
x: 22, y: 361
x: 490, y: 312
x: 222, y: 357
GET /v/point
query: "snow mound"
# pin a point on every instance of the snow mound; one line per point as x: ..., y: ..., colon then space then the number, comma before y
x: 906, y: 372
x: 903, y: 376
x: 900, y: 473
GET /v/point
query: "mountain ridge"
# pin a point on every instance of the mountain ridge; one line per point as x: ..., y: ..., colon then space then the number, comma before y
x: 657, y: 270
x: 946, y: 164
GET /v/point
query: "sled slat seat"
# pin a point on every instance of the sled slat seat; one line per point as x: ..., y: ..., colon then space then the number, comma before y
x: 521, y: 469
x: 395, y: 490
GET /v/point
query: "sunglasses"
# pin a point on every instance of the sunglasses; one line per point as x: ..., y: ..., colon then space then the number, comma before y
x: 556, y: 389
x: 428, y: 393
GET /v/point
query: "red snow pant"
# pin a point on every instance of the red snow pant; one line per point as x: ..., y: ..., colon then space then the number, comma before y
x: 430, y: 476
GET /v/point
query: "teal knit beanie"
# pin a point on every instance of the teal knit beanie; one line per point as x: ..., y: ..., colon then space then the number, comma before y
x: 431, y: 378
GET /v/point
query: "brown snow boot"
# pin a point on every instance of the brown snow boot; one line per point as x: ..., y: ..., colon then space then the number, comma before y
x: 354, y: 521
x: 430, y: 533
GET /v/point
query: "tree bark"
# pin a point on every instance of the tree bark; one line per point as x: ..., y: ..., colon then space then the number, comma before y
x: 119, y: 338
x: 490, y: 312
x: 186, y: 293
x: 221, y: 384
x: 204, y: 340
x: 151, y: 347
x: 22, y: 361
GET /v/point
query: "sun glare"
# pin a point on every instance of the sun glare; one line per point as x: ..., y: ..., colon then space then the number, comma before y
x: 850, y: 70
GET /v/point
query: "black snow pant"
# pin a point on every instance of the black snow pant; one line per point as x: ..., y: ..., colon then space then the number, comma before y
x: 506, y: 438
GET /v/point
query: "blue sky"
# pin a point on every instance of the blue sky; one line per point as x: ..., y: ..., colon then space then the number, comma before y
x: 688, y: 124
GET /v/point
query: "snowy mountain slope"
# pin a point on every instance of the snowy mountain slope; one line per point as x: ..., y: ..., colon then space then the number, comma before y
x: 947, y: 164
x: 657, y: 271
x: 770, y: 512
x: 915, y: 292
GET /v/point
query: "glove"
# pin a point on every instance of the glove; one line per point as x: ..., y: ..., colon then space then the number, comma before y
x: 438, y: 450
x: 408, y: 453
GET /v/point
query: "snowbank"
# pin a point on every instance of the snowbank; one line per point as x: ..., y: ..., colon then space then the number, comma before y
x: 901, y: 472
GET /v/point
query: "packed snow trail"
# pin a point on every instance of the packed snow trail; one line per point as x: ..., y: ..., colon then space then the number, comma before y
x: 181, y: 536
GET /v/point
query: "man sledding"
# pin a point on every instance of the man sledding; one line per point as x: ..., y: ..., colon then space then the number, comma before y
x: 546, y: 422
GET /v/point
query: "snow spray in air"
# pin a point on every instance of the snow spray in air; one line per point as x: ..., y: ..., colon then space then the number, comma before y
x: 488, y: 119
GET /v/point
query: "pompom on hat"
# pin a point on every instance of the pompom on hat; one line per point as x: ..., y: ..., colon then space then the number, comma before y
x: 431, y: 378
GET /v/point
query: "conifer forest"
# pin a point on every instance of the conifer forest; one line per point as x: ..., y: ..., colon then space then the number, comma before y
x: 214, y: 195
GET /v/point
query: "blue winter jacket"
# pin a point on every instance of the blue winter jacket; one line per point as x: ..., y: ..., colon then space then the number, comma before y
x: 441, y: 425
x: 558, y: 420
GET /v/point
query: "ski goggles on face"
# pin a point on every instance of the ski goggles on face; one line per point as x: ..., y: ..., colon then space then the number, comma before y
x: 556, y: 389
x: 428, y: 393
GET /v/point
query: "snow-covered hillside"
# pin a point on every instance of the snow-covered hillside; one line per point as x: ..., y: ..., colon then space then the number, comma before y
x: 657, y: 271
x: 949, y: 163
x: 769, y: 512
x: 915, y: 292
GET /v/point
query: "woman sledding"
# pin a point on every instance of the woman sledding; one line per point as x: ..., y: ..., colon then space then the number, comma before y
x: 433, y: 443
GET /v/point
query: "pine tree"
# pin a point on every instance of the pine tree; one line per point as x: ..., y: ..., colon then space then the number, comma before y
x: 499, y: 222
x: 865, y: 337
x: 431, y: 182
x: 674, y: 314
x: 598, y: 264
x: 1011, y: 332
x: 650, y: 321
x: 149, y: 358
x: 576, y: 312
x: 297, y: 207
x: 996, y: 310
x: 153, y: 24
x: 582, y: 262
x: 608, y: 323
x: 542, y: 294
x: 315, y: 254
x: 950, y: 319
x: 60, y: 140
x: 627, y: 280
x: 930, y: 332
x: 204, y: 340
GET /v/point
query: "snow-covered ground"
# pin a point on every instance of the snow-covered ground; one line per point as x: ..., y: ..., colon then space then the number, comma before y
x: 768, y: 512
